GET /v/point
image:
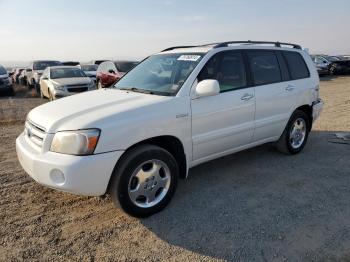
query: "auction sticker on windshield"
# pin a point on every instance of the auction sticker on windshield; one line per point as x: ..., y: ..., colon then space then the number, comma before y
x: 189, y: 57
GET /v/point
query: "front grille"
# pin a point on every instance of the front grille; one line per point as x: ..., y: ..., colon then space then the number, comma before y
x: 35, y: 133
x: 77, y: 89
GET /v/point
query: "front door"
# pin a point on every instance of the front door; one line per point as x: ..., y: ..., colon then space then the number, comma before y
x: 223, y: 122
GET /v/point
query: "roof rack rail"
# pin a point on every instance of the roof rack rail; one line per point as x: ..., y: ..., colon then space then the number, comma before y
x: 277, y: 44
x: 225, y: 44
x: 177, y: 47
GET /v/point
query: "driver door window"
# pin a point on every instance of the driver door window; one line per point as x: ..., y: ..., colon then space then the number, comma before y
x: 228, y: 68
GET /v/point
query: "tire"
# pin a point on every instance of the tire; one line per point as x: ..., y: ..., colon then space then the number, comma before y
x: 332, y: 71
x: 289, y: 145
x: 126, y: 189
x: 50, y: 96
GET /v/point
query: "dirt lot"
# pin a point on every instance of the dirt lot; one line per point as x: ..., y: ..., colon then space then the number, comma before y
x: 257, y: 205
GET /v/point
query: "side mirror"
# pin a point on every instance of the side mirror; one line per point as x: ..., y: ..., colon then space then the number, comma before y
x: 44, y: 78
x: 111, y: 71
x: 209, y: 87
x: 29, y: 70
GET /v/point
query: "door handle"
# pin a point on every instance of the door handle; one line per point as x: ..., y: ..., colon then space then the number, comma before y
x: 247, y: 97
x: 290, y: 88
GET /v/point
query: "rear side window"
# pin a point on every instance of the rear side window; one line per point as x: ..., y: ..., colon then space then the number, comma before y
x: 264, y: 66
x: 226, y: 67
x: 296, y: 64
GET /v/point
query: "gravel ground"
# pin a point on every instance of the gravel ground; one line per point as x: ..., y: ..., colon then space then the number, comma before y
x: 257, y: 205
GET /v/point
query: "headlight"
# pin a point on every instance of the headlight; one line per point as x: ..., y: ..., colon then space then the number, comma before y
x: 80, y: 142
x: 59, y: 87
x: 92, y: 85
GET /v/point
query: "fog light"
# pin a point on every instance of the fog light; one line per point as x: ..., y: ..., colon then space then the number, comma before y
x: 57, y: 176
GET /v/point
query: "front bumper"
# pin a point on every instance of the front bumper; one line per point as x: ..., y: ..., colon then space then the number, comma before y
x: 317, y: 107
x: 63, y: 93
x: 82, y: 175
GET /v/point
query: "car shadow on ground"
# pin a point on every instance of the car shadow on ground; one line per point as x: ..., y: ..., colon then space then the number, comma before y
x: 262, y: 205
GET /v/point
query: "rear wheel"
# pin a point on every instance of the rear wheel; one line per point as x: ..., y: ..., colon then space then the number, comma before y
x: 295, y: 134
x: 145, y: 180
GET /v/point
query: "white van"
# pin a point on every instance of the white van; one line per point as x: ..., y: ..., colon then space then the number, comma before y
x: 176, y: 109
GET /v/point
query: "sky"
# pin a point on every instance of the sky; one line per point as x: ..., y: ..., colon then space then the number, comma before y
x: 84, y: 30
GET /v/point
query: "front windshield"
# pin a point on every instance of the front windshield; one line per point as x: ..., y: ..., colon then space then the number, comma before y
x: 2, y: 71
x: 125, y: 66
x: 41, y: 65
x: 89, y: 67
x: 162, y: 74
x: 66, y: 73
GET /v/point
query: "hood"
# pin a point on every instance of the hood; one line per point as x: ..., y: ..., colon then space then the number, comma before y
x: 71, y: 81
x: 88, y: 109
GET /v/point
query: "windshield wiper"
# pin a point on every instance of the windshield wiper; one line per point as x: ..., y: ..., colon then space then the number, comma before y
x: 138, y: 90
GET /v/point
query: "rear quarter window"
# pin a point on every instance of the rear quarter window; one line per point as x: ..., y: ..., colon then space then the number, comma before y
x: 296, y: 65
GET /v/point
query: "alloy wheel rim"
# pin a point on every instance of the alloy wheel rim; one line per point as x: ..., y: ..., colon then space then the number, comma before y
x: 149, y: 183
x: 297, y: 133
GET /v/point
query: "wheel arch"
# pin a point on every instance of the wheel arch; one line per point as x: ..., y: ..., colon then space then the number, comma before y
x: 307, y: 109
x: 168, y: 142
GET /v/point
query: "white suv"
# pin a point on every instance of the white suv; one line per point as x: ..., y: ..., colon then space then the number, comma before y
x: 178, y: 108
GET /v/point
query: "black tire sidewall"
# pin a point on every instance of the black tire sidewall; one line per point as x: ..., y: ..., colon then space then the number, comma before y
x: 119, y: 189
x: 295, y: 116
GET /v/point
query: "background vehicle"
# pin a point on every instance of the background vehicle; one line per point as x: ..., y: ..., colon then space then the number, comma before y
x: 5, y: 82
x: 335, y: 65
x: 60, y: 81
x: 175, y: 110
x: 322, y: 65
x: 22, y: 79
x: 90, y: 70
x: 37, y: 68
x: 16, y: 74
x: 111, y: 71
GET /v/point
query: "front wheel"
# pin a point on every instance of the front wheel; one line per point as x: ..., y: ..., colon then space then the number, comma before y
x: 99, y: 85
x: 295, y: 134
x: 145, y: 180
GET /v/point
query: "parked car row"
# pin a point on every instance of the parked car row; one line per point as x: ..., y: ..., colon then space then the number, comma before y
x: 46, y: 76
x: 331, y: 65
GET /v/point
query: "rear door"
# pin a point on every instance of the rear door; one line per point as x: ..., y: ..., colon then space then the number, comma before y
x: 225, y: 121
x: 277, y: 92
